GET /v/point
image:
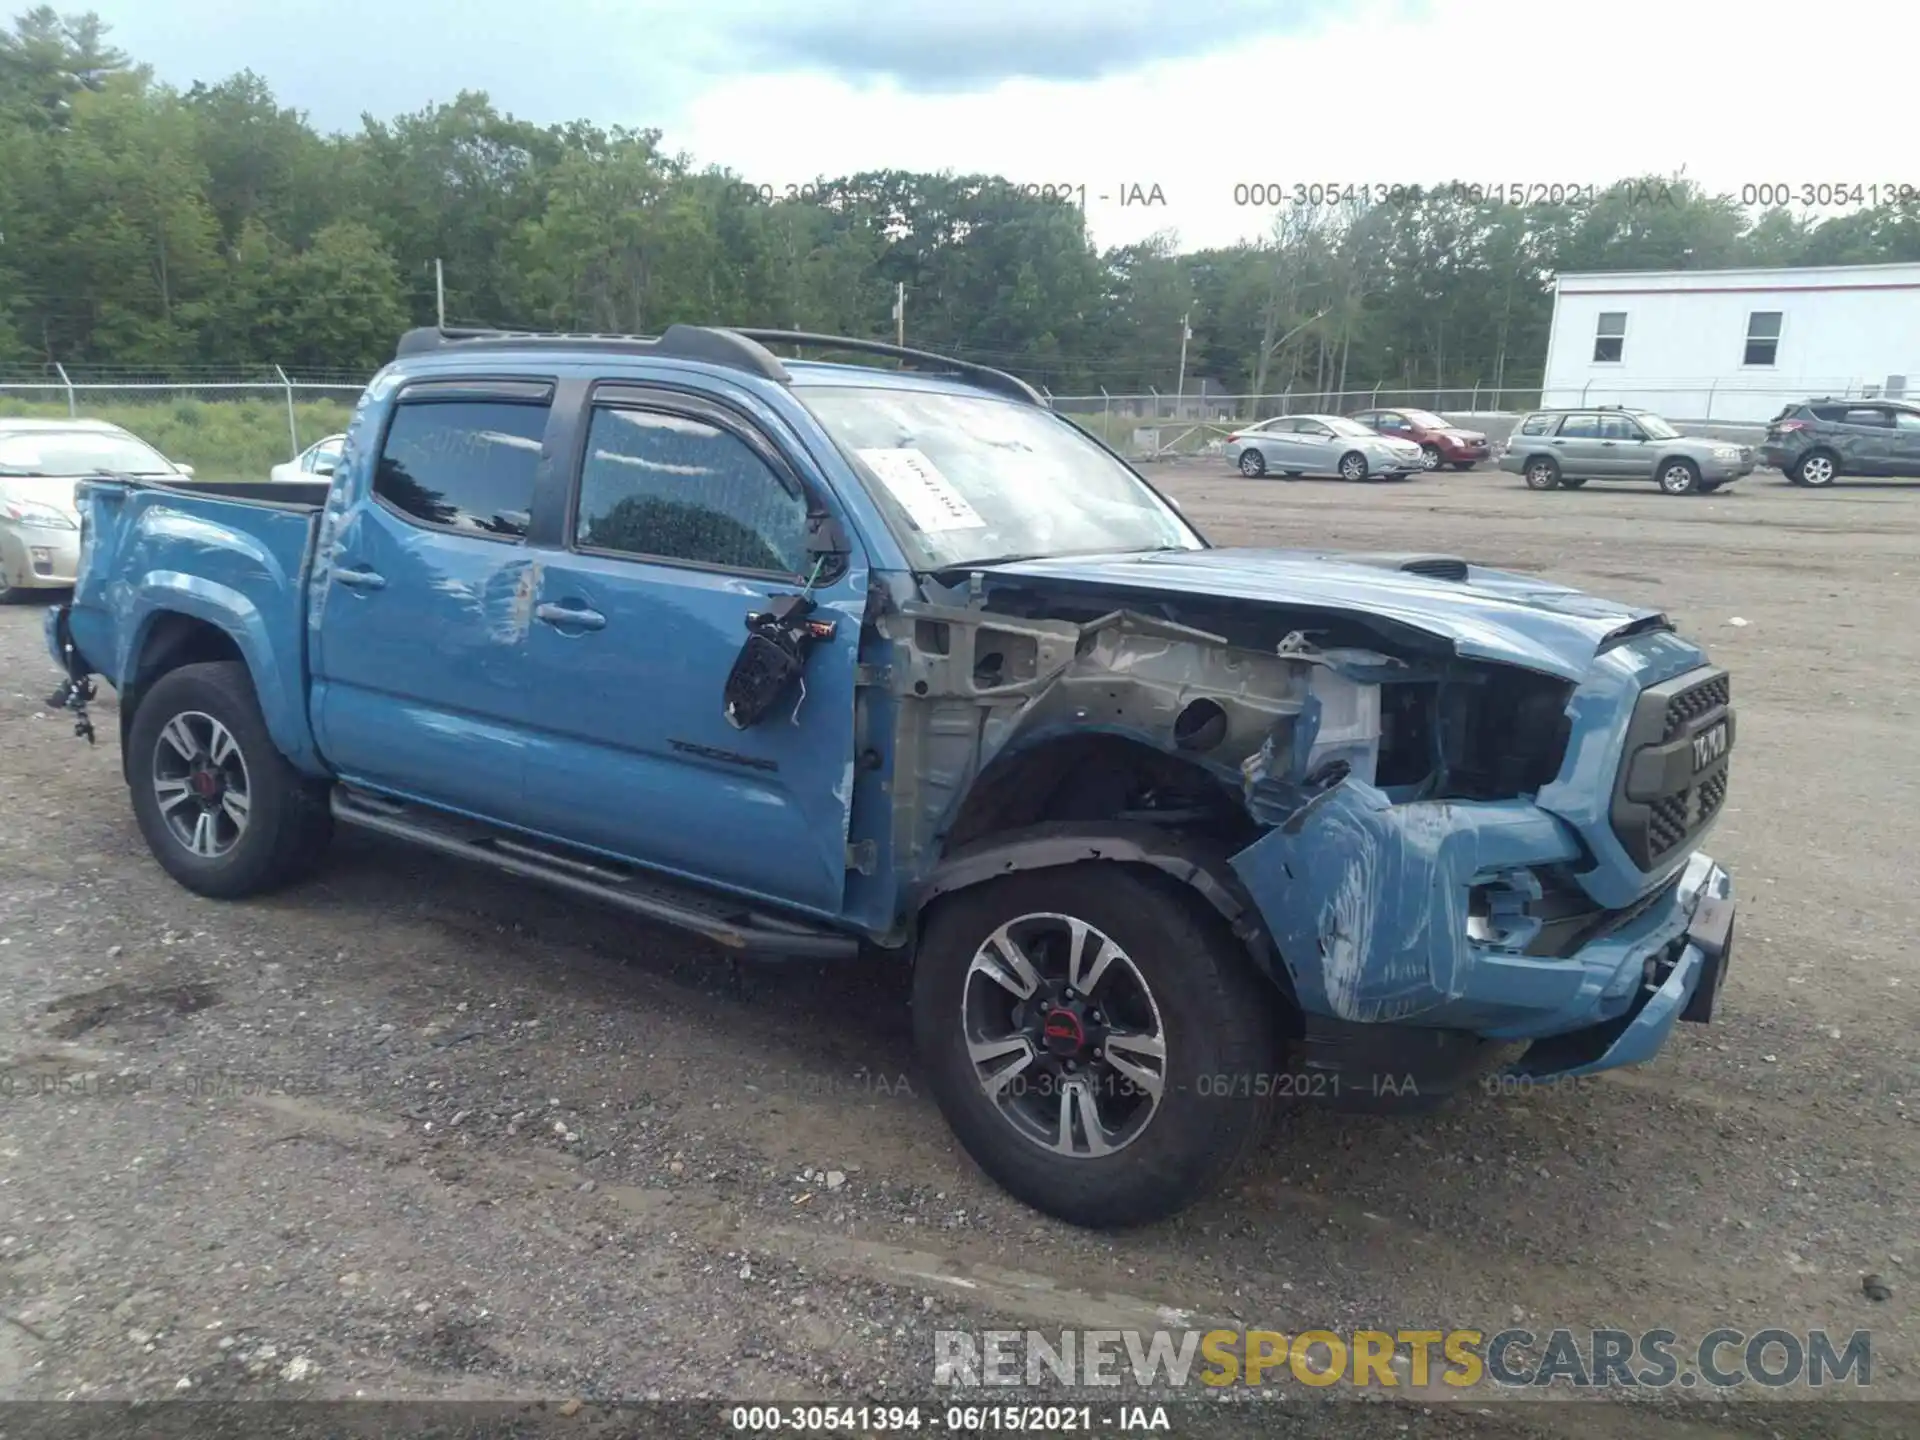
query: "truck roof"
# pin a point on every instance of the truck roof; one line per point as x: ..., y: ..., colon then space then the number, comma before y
x: 745, y: 350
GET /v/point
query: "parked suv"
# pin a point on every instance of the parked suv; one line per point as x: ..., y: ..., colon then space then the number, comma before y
x: 1441, y: 442
x: 1564, y: 449
x: 1817, y: 441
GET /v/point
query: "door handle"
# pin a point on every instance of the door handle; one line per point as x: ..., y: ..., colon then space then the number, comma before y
x: 576, y: 617
x: 361, y: 579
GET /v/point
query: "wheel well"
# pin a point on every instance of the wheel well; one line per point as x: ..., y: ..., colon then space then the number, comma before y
x: 1094, y: 777
x: 1667, y: 460
x: 172, y: 640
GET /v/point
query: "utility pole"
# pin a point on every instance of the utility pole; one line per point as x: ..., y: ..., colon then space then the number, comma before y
x: 440, y: 292
x: 900, y: 313
x: 1180, y: 386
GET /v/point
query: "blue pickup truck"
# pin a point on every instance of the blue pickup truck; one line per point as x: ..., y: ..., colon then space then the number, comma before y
x: 807, y: 657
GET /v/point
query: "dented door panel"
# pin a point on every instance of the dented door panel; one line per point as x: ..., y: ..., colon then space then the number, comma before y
x: 419, y: 685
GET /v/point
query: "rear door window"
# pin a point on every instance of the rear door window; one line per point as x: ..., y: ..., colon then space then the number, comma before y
x: 467, y: 465
x: 1580, y: 427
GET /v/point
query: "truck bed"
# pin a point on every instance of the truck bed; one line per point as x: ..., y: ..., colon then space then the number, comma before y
x: 231, y: 557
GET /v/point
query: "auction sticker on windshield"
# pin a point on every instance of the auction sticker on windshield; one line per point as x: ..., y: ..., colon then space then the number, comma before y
x: 923, y: 492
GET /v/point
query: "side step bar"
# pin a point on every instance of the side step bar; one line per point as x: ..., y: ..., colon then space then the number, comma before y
x: 727, y: 922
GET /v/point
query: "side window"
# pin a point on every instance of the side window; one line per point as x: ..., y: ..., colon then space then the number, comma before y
x: 463, y: 464
x: 1609, y: 335
x: 1831, y: 413
x: 670, y: 486
x: 1537, y: 425
x: 1313, y: 428
x: 1618, y: 427
x: 1581, y: 427
x: 1390, y: 422
x: 1870, y: 416
x: 1906, y: 420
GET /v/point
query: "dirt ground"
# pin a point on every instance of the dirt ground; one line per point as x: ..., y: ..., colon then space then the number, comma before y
x: 412, y: 1130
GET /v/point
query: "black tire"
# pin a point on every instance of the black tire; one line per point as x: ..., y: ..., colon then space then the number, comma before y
x: 1211, y: 1011
x: 1816, y: 468
x: 1352, y: 466
x: 1573, y: 482
x: 1430, y: 457
x: 1252, y: 463
x: 1463, y: 464
x: 1678, y: 476
x: 287, y: 823
x: 1542, y: 472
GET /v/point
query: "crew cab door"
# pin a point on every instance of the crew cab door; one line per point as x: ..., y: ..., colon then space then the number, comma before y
x: 683, y: 519
x: 425, y: 595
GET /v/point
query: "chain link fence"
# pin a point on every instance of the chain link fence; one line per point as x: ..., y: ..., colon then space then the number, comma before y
x: 228, y: 423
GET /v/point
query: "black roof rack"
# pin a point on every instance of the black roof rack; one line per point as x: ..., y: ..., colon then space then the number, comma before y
x: 737, y: 348
x: 679, y: 342
x: 985, y: 376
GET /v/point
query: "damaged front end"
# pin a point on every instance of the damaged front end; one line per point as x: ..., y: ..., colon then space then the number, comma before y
x: 1363, y: 800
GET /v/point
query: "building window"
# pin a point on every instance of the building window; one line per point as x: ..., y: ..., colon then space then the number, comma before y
x: 1610, y: 336
x: 1763, y: 337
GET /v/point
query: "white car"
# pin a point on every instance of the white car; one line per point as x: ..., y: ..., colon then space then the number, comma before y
x: 41, y: 461
x: 316, y: 462
x: 1321, y: 445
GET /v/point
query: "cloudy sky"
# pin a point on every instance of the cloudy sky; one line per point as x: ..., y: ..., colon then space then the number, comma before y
x: 1194, y: 96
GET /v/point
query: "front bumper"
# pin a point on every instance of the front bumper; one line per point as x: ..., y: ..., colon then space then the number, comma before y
x: 1373, y: 914
x: 1719, y: 472
x: 35, y: 557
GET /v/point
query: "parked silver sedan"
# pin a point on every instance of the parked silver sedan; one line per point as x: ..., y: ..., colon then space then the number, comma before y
x: 41, y: 461
x: 1321, y: 445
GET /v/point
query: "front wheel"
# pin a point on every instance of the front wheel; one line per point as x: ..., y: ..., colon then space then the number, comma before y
x: 1679, y: 477
x: 1430, y: 457
x: 220, y: 807
x: 1353, y: 466
x: 1096, y: 1041
x: 1252, y: 464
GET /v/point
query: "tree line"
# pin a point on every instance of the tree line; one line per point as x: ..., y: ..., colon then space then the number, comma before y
x: 143, y: 225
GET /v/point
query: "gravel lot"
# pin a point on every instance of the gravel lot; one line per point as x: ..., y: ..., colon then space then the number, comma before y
x: 412, y: 1130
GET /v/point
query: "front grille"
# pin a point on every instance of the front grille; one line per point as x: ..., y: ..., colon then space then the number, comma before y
x: 1666, y: 792
x: 1690, y: 705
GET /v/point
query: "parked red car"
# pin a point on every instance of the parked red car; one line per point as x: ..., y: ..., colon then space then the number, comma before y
x: 1441, y: 442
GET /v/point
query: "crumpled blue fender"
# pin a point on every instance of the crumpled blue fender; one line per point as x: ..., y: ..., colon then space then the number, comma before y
x: 1366, y: 900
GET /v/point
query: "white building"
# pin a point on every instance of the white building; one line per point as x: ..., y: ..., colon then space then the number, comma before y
x: 1733, y: 345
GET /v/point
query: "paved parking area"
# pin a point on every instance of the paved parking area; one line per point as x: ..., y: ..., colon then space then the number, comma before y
x: 413, y: 1130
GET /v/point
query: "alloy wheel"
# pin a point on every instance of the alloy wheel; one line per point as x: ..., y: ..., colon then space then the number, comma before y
x: 200, y: 779
x: 1065, y: 1036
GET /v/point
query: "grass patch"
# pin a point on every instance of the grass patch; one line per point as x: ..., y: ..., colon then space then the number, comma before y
x: 221, y: 439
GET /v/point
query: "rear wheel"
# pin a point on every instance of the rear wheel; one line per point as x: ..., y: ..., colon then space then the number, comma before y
x: 1086, y: 1031
x: 1252, y: 464
x: 1816, y: 468
x: 1353, y: 466
x: 220, y: 807
x: 1679, y: 477
x: 1543, y: 473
